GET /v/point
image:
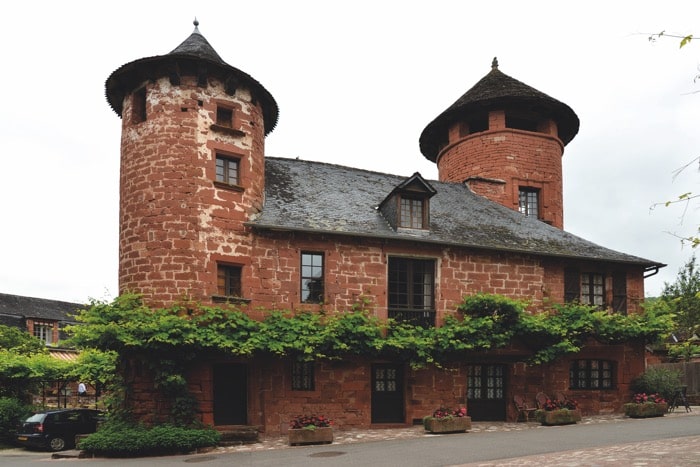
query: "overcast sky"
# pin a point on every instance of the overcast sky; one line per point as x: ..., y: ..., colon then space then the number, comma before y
x: 356, y: 83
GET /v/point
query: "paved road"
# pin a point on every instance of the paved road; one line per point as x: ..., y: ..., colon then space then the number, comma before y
x: 663, y: 441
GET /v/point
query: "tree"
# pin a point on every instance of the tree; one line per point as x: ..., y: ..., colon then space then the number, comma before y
x: 683, y: 299
x: 686, y: 198
x: 20, y: 341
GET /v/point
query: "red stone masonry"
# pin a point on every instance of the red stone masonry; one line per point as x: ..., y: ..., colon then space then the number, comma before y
x: 501, y: 160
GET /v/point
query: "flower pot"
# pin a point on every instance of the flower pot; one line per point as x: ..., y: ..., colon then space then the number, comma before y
x: 645, y: 410
x: 558, y: 417
x: 447, y: 425
x: 318, y: 435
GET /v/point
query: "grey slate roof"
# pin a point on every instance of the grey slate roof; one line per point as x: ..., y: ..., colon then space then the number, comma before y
x: 193, y: 56
x: 13, y: 307
x: 493, y: 91
x: 324, y: 198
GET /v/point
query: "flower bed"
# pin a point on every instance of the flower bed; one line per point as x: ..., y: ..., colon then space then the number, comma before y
x: 310, y: 429
x: 558, y: 412
x: 645, y: 406
x: 446, y: 420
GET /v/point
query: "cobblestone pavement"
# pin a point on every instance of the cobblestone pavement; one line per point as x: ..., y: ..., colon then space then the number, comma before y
x: 669, y: 452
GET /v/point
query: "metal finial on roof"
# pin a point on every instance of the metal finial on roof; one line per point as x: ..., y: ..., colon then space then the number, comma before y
x: 196, y: 23
x: 494, y: 63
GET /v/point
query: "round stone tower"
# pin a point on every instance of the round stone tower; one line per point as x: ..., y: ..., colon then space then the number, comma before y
x: 505, y: 140
x: 192, y: 170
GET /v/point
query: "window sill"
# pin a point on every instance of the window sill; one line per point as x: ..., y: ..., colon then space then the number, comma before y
x: 230, y: 299
x: 227, y: 130
x: 228, y: 186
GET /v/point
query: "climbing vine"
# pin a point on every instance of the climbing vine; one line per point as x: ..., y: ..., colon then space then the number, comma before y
x: 169, y: 339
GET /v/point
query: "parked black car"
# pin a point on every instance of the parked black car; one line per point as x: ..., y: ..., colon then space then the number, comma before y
x: 56, y: 429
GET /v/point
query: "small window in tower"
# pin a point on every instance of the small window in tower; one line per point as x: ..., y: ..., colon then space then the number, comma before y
x: 228, y: 283
x: 138, y: 106
x: 311, y: 277
x: 529, y: 202
x: 227, y: 170
x: 224, y: 116
x: 478, y: 124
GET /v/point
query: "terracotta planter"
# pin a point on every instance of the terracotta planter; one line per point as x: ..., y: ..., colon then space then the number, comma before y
x: 558, y: 417
x: 447, y: 425
x: 645, y: 410
x: 322, y: 435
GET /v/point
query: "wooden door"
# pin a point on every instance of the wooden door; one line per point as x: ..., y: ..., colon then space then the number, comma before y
x: 486, y: 392
x: 387, y: 394
x: 230, y: 394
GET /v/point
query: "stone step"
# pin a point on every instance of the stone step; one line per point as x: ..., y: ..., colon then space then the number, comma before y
x: 233, y: 435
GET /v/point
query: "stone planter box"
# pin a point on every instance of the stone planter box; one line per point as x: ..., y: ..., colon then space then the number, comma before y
x: 558, y: 417
x: 645, y: 410
x: 447, y: 425
x: 322, y: 435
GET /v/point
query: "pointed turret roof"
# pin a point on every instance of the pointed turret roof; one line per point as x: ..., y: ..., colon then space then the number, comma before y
x: 498, y: 90
x: 195, y: 57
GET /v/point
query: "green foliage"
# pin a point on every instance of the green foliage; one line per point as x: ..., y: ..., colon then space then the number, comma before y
x: 168, y: 340
x: 12, y: 412
x: 20, y: 374
x: 683, y: 299
x: 123, y: 440
x: 20, y: 341
x: 657, y: 379
x: 683, y: 351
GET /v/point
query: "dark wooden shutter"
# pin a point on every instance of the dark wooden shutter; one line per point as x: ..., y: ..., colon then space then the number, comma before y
x: 572, y: 285
x: 619, y: 303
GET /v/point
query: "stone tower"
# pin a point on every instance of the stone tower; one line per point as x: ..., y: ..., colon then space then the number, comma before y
x: 505, y: 140
x: 192, y: 170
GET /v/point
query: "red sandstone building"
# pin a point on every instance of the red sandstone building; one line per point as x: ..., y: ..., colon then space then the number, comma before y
x: 205, y: 215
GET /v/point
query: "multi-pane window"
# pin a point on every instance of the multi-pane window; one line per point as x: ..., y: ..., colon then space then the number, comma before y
x: 412, y: 290
x: 591, y: 374
x: 485, y: 382
x: 302, y: 376
x: 44, y: 331
x: 227, y: 170
x: 412, y: 215
x: 529, y: 201
x: 224, y: 116
x: 311, y: 277
x: 593, y: 289
x: 228, y: 280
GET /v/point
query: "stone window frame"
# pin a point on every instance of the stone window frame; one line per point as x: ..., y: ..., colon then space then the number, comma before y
x: 303, y: 375
x: 401, y: 272
x: 525, y: 201
x: 228, y: 158
x: 592, y: 374
x: 309, y: 272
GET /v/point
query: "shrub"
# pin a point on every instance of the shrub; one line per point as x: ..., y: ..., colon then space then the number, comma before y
x: 122, y: 440
x: 656, y: 379
x: 12, y: 412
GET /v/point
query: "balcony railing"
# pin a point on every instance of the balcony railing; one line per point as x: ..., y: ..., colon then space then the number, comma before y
x: 421, y: 318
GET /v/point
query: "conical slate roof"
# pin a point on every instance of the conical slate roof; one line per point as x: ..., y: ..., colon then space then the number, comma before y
x: 497, y: 90
x: 194, y: 57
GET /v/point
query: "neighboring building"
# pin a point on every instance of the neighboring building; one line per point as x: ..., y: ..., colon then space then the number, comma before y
x: 42, y: 318
x: 205, y: 215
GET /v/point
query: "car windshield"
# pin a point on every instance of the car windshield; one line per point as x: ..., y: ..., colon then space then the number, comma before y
x: 36, y: 418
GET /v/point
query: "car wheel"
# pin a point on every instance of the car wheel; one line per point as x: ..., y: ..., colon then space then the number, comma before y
x: 57, y: 443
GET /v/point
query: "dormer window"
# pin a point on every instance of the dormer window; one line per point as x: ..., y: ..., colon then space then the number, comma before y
x: 412, y: 213
x: 408, y: 205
